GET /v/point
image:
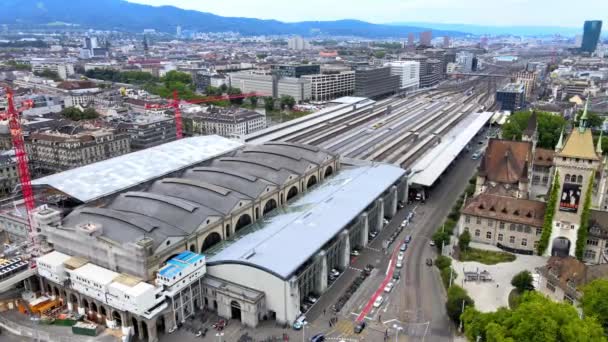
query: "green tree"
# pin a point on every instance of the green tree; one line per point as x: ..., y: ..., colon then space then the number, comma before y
x: 441, y: 238
x: 464, y: 240
x: 535, y: 319
x: 223, y: 88
x: 18, y: 66
x: 89, y: 113
x: 522, y: 281
x: 593, y: 119
x: 595, y: 301
x: 287, y: 101
x: 583, y: 230
x: 549, y: 127
x: 380, y: 54
x: 261, y: 55
x: 269, y: 104
x: 46, y: 73
x: 71, y: 113
x: 443, y: 262
x: 543, y: 243
x: 235, y: 92
x: 254, y: 101
x: 177, y: 76
x: 457, y: 296
x: 213, y: 91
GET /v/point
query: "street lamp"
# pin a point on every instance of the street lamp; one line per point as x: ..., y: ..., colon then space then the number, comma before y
x: 219, y: 336
x: 304, y: 324
x: 397, y: 330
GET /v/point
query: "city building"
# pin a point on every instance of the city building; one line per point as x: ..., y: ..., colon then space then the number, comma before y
x: 62, y: 68
x: 298, y: 43
x: 295, y: 70
x: 511, y: 97
x: 148, y: 130
x: 426, y: 37
x: 465, y: 60
x: 233, y: 122
x: 52, y: 151
x: 78, y: 93
x: 433, y: 75
x: 591, y: 35
x: 375, y: 82
x: 439, y: 54
x: 561, y: 279
x: 410, y: 39
x: 409, y: 73
x: 9, y: 177
x: 272, y: 85
x: 331, y: 85
x: 528, y: 79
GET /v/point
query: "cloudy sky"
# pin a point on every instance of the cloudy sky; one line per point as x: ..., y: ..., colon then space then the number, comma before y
x: 566, y: 13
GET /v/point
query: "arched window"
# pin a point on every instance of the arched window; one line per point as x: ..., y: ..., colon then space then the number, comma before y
x: 573, y: 178
x: 567, y: 178
x: 579, y: 179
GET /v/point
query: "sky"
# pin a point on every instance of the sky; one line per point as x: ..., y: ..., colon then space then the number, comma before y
x: 565, y: 13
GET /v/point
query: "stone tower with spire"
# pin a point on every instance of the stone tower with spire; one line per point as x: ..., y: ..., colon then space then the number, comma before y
x: 576, y: 161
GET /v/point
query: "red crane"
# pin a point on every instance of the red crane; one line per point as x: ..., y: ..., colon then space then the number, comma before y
x: 12, y: 115
x: 174, y: 104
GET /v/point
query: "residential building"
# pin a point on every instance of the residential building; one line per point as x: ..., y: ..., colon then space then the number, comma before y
x: 232, y: 122
x: 148, y: 130
x: 562, y: 278
x: 591, y: 35
x: 9, y: 177
x: 408, y: 72
x: 298, y: 43
x: 52, y: 151
x: 78, y: 93
x: 375, y: 82
x: 295, y: 70
x: 511, y: 97
x: 330, y: 85
x: 528, y: 79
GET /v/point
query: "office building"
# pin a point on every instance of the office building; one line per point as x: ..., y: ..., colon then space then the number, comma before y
x: 295, y: 70
x: 9, y: 177
x: 148, y: 130
x: 410, y: 39
x: 298, y: 43
x: 375, y: 82
x: 426, y: 37
x: 408, y: 72
x: 269, y: 85
x: 52, y: 151
x: 511, y: 97
x: 63, y: 69
x: 330, y: 85
x: 433, y: 75
x: 438, y: 54
x: 465, y: 60
x: 224, y: 122
x: 591, y: 35
x: 528, y: 79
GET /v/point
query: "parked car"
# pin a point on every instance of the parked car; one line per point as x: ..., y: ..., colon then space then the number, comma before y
x: 299, y: 322
x: 368, y: 269
x: 403, y: 247
x: 378, y: 302
x: 400, y: 256
x: 432, y: 243
x: 372, y: 235
x: 318, y: 338
x: 429, y: 262
x: 404, y: 223
x: 385, y: 221
x: 396, y: 275
x: 389, y: 287
x: 334, y: 272
x: 359, y: 327
x: 408, y: 239
x: 355, y: 252
x: 475, y: 155
x: 399, y: 264
x: 311, y: 299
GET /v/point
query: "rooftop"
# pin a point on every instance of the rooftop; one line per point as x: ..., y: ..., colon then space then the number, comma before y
x: 579, y: 145
x: 508, y: 209
x: 513, y: 88
x: 282, y: 242
x: 506, y: 161
x: 106, y: 177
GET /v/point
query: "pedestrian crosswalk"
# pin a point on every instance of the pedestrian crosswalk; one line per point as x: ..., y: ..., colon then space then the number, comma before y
x: 344, y: 330
x: 355, y: 269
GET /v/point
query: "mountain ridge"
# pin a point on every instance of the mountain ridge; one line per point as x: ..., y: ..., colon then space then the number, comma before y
x: 127, y: 16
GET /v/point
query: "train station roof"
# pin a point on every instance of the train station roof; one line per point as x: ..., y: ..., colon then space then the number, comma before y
x: 285, y: 240
x: 427, y: 170
x: 106, y: 177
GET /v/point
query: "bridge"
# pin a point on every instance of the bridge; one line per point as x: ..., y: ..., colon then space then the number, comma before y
x: 8, y: 283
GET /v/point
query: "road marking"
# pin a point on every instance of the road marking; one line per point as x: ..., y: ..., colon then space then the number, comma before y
x: 356, y: 269
x: 386, y: 306
x: 390, y: 320
x: 373, y: 249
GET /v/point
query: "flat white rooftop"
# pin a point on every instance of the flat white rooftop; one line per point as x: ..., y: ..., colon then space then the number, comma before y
x: 428, y: 169
x: 103, y: 178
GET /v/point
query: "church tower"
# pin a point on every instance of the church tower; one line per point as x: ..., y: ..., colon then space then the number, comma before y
x: 575, y: 162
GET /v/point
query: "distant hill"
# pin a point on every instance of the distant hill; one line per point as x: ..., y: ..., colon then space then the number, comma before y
x: 126, y: 16
x: 499, y: 30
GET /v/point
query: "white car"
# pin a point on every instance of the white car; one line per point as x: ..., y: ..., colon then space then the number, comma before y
x: 400, y: 256
x: 378, y: 302
x: 389, y: 287
x: 399, y: 264
x: 432, y: 243
x: 404, y: 223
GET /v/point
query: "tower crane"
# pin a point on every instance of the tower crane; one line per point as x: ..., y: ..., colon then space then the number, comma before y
x: 174, y: 104
x: 12, y: 115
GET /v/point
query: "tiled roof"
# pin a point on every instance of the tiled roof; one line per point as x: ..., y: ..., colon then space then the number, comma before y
x: 505, y: 161
x: 508, y: 209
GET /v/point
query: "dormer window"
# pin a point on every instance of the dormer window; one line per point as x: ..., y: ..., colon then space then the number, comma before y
x: 516, y: 212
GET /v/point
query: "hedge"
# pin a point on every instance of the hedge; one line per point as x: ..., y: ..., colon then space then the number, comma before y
x: 583, y: 230
x: 549, y: 212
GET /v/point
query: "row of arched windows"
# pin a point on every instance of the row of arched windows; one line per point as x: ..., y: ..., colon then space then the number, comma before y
x: 573, y: 179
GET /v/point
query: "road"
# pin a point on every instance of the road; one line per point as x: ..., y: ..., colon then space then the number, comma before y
x: 417, y: 303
